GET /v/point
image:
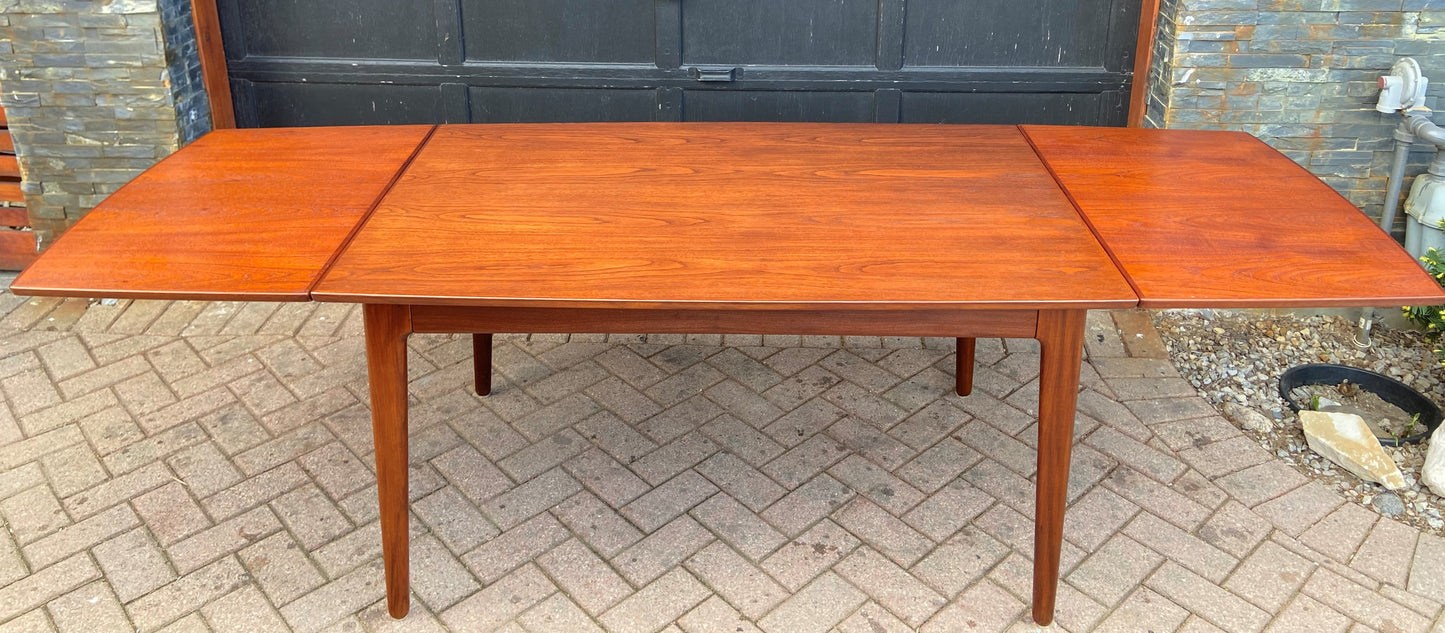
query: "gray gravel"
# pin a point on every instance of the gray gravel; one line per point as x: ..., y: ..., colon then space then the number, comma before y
x: 1235, y: 360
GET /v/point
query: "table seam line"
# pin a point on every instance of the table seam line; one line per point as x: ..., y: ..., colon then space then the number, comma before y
x: 370, y: 211
x: 1084, y: 217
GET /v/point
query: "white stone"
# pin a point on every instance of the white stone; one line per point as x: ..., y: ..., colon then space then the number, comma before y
x: 1345, y: 439
x: 1432, y: 474
x: 1247, y: 418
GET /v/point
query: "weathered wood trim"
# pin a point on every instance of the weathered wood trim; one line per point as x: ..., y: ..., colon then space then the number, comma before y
x: 1143, y: 59
x: 213, y: 64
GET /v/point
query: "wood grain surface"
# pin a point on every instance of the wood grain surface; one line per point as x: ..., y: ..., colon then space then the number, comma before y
x: 751, y: 215
x: 10, y: 192
x: 12, y: 216
x: 1061, y: 351
x: 212, y: 57
x: 238, y: 214
x: 387, y: 327
x: 17, y: 249
x: 9, y: 167
x: 1219, y: 219
x: 987, y: 323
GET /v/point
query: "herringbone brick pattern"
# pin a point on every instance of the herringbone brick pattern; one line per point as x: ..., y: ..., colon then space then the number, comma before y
x: 185, y: 466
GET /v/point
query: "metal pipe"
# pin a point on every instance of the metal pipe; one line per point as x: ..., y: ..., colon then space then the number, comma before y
x: 1422, y: 127
x: 1403, y: 138
x: 1362, y: 335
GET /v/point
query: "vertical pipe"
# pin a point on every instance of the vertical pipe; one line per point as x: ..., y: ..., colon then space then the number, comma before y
x: 1397, y: 177
x: 1403, y: 138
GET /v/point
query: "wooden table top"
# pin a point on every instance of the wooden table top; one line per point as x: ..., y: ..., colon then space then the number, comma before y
x: 727, y: 215
x: 746, y: 215
x: 1219, y: 219
x: 238, y: 214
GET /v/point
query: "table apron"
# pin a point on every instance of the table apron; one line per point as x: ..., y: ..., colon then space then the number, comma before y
x: 883, y: 322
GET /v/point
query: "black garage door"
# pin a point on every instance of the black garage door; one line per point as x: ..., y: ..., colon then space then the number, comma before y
x: 321, y: 62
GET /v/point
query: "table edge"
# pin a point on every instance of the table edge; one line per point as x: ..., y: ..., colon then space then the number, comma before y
x: 302, y: 294
x: 1169, y: 303
x: 1165, y: 301
x: 163, y: 295
x: 654, y: 304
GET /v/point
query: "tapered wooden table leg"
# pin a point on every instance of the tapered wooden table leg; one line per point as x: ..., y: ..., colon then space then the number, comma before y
x: 1061, y: 338
x: 964, y: 371
x: 387, y: 327
x: 482, y: 362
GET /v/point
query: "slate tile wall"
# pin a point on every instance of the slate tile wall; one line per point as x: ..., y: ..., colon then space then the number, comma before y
x: 91, y: 91
x: 183, y: 61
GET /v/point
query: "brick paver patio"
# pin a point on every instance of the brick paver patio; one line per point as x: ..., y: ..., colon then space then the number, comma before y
x: 186, y: 466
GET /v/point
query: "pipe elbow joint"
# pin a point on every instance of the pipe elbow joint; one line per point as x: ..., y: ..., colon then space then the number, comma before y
x: 1423, y: 128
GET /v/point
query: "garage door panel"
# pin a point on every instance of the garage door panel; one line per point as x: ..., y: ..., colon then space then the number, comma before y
x: 1007, y: 33
x: 547, y: 105
x: 1010, y: 108
x: 792, y: 32
x: 765, y: 105
x: 323, y: 28
x: 995, y: 61
x: 307, y: 104
x: 559, y: 30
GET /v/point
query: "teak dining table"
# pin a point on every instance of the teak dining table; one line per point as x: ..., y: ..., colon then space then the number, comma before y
x: 759, y: 228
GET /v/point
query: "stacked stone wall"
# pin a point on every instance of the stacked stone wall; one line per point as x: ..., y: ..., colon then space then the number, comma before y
x: 94, y: 95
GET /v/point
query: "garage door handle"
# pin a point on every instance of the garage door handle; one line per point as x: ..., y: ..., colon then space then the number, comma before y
x: 715, y: 74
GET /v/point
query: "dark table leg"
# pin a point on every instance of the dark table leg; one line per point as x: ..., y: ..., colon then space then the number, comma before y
x: 482, y: 362
x: 1061, y: 338
x: 387, y: 327
x: 964, y: 371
